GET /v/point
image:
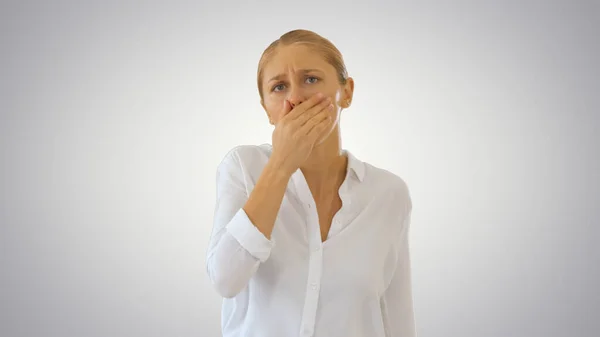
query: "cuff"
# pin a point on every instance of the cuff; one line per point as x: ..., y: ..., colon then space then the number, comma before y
x: 249, y: 237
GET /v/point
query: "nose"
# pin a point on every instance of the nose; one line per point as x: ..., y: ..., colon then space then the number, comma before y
x: 296, y: 96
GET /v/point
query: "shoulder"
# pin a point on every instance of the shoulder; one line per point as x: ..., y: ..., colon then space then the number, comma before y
x: 384, y: 180
x: 395, y: 197
x: 246, y: 157
x: 391, y: 184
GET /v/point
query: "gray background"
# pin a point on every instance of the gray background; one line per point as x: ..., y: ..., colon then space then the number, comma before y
x: 114, y: 116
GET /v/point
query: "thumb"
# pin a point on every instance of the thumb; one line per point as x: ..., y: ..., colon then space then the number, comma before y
x: 287, y: 107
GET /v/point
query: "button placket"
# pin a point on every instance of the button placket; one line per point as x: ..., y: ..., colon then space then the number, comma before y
x: 315, y: 266
x: 315, y: 259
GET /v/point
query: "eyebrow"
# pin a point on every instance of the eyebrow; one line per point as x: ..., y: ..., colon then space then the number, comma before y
x: 304, y: 71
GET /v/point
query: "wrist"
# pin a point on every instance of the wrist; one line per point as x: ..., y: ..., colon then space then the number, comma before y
x: 277, y: 168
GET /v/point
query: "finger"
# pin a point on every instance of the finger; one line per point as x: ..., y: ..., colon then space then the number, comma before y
x: 318, y: 129
x: 313, y: 122
x: 287, y: 107
x: 304, y: 106
x: 324, y: 107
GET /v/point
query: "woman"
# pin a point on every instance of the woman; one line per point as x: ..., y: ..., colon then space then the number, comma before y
x: 308, y: 240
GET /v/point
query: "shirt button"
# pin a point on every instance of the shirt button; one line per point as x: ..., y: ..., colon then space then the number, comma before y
x: 314, y: 286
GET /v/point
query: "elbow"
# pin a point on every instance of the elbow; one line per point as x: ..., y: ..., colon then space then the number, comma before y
x: 223, y: 282
x: 225, y: 289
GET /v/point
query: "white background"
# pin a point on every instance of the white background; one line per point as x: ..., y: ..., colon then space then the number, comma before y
x: 114, y: 116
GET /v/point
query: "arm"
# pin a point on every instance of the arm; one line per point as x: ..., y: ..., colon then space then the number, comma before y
x: 241, y: 234
x: 397, y: 301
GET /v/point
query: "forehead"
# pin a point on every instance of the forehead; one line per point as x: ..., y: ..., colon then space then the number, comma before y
x: 295, y: 57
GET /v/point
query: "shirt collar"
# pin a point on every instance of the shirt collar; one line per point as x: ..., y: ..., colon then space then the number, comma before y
x: 355, y: 165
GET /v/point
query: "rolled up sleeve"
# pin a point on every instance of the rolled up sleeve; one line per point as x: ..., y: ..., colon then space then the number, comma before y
x: 249, y: 237
x: 236, y: 247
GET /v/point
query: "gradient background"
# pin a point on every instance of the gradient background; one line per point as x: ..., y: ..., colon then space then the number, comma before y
x: 114, y: 116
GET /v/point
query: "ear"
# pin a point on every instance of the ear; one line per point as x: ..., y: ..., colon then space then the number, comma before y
x: 262, y: 103
x: 348, y: 93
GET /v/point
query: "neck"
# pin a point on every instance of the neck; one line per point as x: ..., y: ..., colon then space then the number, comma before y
x: 326, y: 160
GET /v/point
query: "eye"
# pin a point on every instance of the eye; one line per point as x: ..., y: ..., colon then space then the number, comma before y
x: 277, y: 86
x: 312, y: 78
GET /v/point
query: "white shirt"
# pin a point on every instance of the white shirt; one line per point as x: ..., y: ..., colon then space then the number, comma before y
x: 357, y: 283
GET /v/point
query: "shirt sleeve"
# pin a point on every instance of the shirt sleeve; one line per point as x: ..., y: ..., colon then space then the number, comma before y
x: 397, y: 301
x: 236, y: 247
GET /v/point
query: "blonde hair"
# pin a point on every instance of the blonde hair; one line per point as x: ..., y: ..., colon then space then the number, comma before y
x: 311, y: 39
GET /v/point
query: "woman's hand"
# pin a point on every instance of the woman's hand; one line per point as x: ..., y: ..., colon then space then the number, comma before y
x: 298, y: 130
